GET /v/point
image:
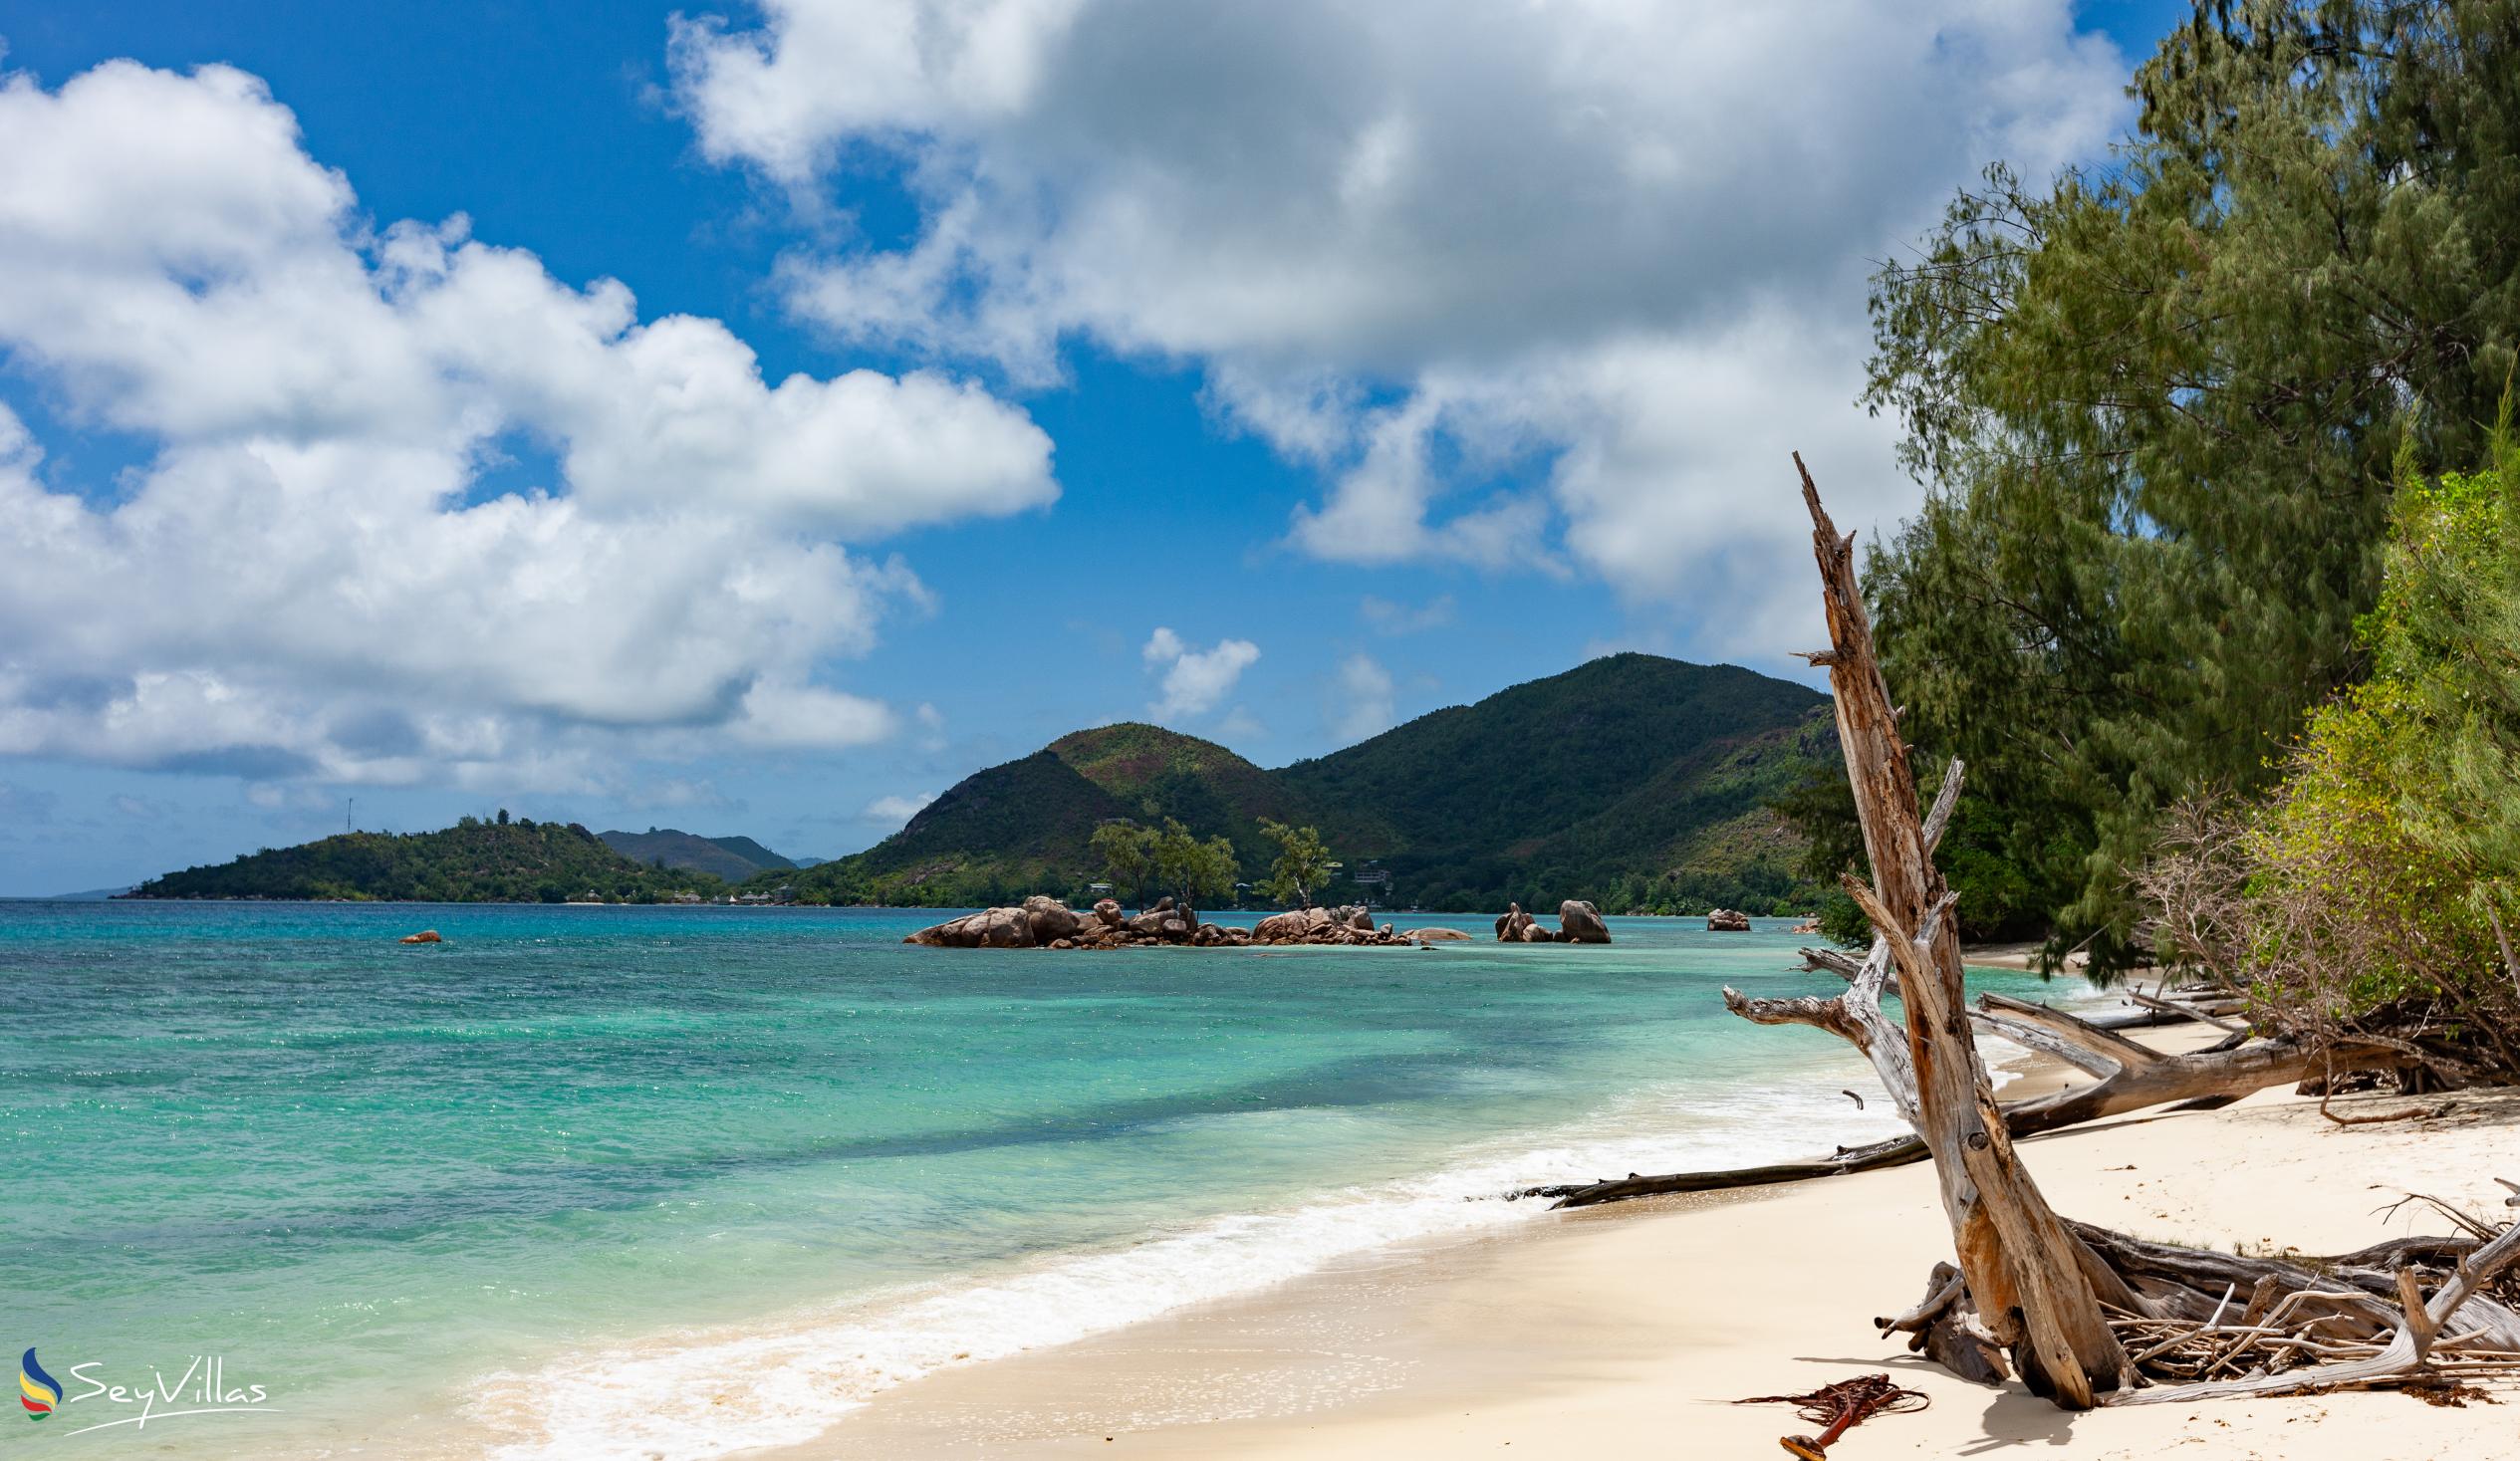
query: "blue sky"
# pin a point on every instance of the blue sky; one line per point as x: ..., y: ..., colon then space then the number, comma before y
x: 1381, y: 360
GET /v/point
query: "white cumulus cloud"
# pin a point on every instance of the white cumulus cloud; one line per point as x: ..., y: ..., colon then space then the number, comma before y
x: 1195, y: 682
x: 1544, y: 288
x: 1364, y: 701
x: 310, y: 576
x: 895, y: 810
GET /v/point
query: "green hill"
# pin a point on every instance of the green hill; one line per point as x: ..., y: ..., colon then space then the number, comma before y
x: 731, y: 858
x: 472, y: 862
x: 1635, y: 780
x: 993, y: 836
x: 754, y: 853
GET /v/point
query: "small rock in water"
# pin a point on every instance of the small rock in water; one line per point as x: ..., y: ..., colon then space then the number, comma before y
x: 426, y: 935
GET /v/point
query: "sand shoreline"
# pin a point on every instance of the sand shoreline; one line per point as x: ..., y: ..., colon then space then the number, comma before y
x: 1630, y: 1328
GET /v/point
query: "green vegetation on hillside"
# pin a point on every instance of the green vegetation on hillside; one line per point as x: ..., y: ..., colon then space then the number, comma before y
x: 2156, y: 408
x: 1636, y: 782
x: 993, y: 837
x: 733, y: 859
x: 472, y: 862
x: 1302, y: 863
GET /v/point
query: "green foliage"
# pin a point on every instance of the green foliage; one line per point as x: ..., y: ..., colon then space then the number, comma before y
x: 1190, y: 870
x: 472, y: 862
x: 2353, y: 910
x: 2374, y: 874
x: 1841, y: 920
x: 1303, y: 862
x: 2004, y: 893
x: 2156, y: 408
x: 1126, y: 853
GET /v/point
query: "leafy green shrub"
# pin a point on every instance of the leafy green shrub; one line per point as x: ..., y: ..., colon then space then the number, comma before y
x: 2372, y: 885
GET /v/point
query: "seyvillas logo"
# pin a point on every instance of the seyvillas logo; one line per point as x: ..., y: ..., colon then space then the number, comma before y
x: 202, y: 1387
x: 37, y: 1391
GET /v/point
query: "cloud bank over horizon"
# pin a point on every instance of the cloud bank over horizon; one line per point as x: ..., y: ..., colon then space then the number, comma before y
x: 1547, y: 288
x: 321, y: 569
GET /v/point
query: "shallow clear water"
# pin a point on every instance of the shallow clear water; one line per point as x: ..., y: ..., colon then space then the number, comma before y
x: 586, y: 1181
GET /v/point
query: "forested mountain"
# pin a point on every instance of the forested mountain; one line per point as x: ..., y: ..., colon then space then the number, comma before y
x: 1635, y: 780
x: 731, y: 858
x: 472, y: 862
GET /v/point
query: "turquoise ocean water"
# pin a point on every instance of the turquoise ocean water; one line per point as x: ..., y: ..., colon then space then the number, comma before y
x: 684, y: 1182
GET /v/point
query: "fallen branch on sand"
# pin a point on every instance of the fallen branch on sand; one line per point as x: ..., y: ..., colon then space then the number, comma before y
x: 2130, y: 1078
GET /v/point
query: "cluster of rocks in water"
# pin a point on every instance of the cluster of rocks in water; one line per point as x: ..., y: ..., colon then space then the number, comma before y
x: 1578, y: 922
x: 1044, y: 922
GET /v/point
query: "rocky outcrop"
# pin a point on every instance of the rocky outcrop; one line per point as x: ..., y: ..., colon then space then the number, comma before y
x: 1348, y: 925
x: 1150, y: 924
x: 990, y: 928
x: 1728, y: 920
x: 1580, y: 923
x: 1294, y: 926
x: 1044, y: 922
x: 1051, y: 919
x: 426, y: 935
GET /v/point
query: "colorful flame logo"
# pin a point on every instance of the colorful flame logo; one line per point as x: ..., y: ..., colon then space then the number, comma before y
x: 38, y: 1391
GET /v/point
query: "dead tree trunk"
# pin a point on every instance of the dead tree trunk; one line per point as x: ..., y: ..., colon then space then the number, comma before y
x: 2027, y: 1277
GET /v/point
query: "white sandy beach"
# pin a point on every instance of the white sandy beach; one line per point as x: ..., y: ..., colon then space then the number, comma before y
x: 1628, y: 1329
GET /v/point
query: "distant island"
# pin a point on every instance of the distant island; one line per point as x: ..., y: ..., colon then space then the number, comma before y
x: 477, y: 861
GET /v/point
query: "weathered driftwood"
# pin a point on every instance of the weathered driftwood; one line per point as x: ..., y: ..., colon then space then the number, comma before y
x: 1898, y: 1151
x: 2130, y: 1078
x: 2031, y: 1282
x: 2422, y: 1340
x: 1854, y: 1016
x: 1940, y: 1328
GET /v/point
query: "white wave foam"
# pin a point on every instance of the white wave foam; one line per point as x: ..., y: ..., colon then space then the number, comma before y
x: 690, y: 1397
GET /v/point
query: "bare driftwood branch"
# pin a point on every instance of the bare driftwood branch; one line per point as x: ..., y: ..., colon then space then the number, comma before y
x: 1898, y: 1151
x: 1940, y: 1328
x: 1855, y: 1017
x: 1947, y: 800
